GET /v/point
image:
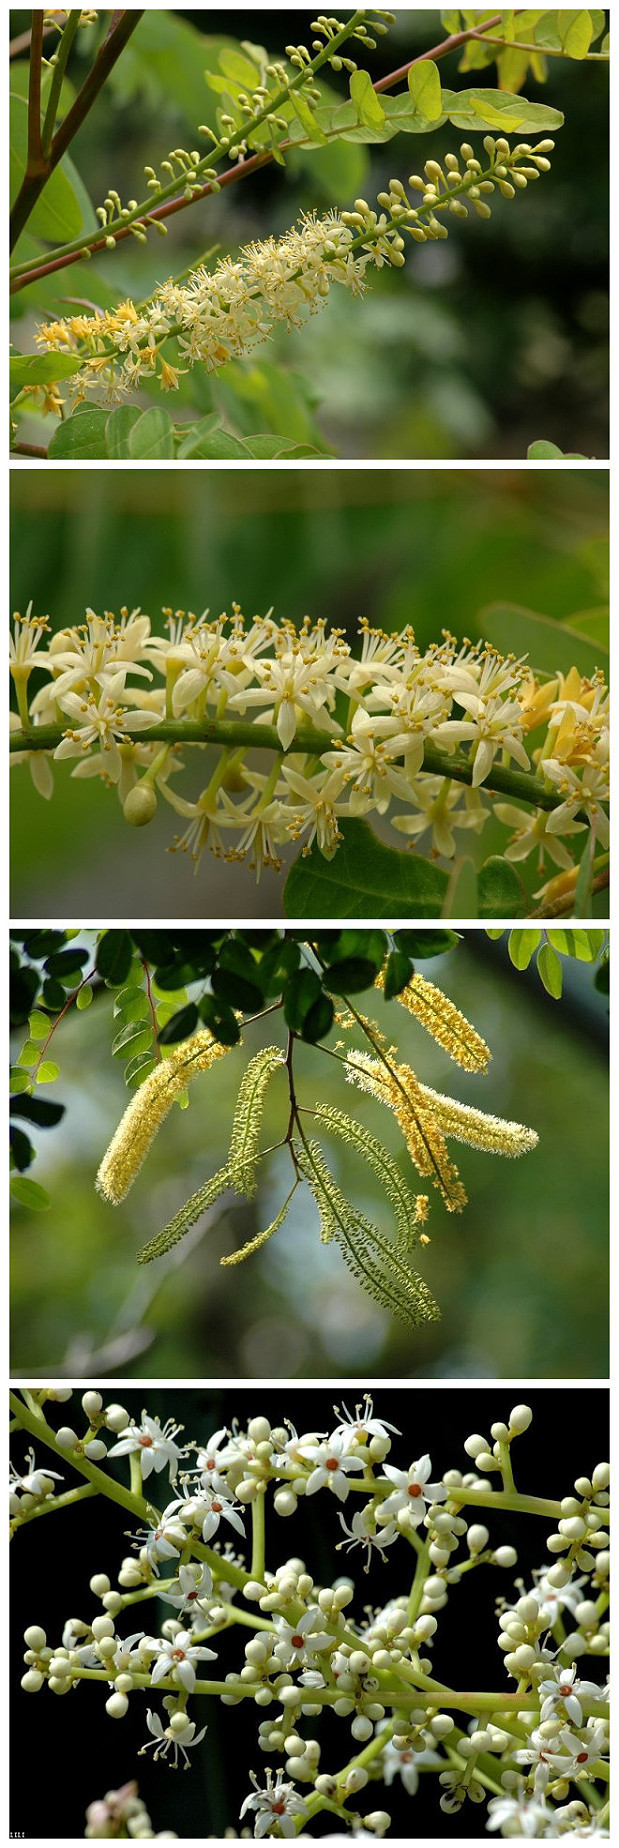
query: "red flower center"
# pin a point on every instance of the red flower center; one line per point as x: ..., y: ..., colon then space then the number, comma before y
x: 297, y: 1642
x: 414, y: 1489
x: 332, y: 1463
x: 146, y: 1443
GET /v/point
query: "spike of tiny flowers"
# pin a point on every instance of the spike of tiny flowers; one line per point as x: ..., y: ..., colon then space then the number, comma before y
x: 440, y: 1016
x: 397, y: 1086
x: 255, y: 1244
x: 383, y: 1164
x: 377, y: 1264
x: 477, y: 1128
x: 247, y: 1122
x: 148, y: 1109
x: 175, y: 1230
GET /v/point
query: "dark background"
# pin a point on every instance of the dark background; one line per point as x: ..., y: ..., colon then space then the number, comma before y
x: 482, y: 344
x: 81, y: 1753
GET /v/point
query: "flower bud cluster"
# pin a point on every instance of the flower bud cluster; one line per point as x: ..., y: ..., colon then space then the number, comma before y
x: 466, y: 707
x: 222, y: 314
x: 310, y: 1649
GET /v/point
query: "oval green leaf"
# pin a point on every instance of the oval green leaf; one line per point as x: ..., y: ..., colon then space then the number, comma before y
x: 365, y: 879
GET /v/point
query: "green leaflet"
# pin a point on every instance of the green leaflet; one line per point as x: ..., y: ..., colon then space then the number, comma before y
x: 384, y: 1166
x: 180, y: 1224
x: 377, y: 1265
x: 248, y: 1119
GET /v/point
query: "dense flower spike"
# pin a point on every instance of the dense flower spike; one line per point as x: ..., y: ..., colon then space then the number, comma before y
x: 379, y: 1259
x: 535, y: 1747
x: 222, y: 314
x: 400, y: 750
x: 444, y: 1021
x: 148, y: 1110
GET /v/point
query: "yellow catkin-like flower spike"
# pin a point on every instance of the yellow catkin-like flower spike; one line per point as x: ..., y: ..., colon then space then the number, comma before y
x: 440, y: 1016
x: 480, y: 1130
x: 149, y: 1108
x: 397, y: 1086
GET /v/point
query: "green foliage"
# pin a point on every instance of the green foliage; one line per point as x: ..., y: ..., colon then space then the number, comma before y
x: 294, y: 117
x: 364, y: 880
x: 548, y: 946
x: 543, y: 451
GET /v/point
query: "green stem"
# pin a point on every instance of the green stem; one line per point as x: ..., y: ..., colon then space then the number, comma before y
x: 60, y: 65
x: 520, y: 784
x: 52, y: 1503
x: 257, y: 1528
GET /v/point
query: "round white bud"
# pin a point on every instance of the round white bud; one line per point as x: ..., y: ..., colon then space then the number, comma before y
x: 66, y: 1439
x: 92, y: 1403
x: 140, y: 805
x: 475, y: 1445
x: 35, y: 1637
x: 116, y: 1417
x: 477, y: 1538
x: 520, y: 1418
x: 284, y: 1502
x: 117, y: 1706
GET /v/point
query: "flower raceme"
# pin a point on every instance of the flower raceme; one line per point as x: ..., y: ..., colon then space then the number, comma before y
x: 391, y: 729
x: 534, y: 1746
x: 223, y: 314
x: 380, y: 1260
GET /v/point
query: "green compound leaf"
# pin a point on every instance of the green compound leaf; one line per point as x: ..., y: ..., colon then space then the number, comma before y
x: 423, y: 943
x: 63, y: 210
x: 398, y: 971
x: 481, y: 109
x: 425, y: 87
x: 39, y: 369
x: 500, y: 891
x: 522, y: 946
x: 179, y: 1026
x: 118, y: 430
x: 81, y: 436
x: 152, y: 435
x: 368, y: 105
x: 30, y: 1194
x: 364, y: 880
x: 585, y: 945
x: 575, y: 32
x: 550, y: 971
x: 114, y: 957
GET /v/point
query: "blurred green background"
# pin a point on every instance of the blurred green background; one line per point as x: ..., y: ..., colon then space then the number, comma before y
x: 521, y: 1276
x: 431, y: 548
x: 483, y: 343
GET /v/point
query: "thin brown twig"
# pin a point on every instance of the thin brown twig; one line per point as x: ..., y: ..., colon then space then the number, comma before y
x: 38, y: 171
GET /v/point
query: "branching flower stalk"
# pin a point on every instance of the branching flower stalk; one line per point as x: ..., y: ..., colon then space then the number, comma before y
x: 537, y: 1748
x: 219, y: 315
x: 424, y: 736
x: 379, y: 1258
